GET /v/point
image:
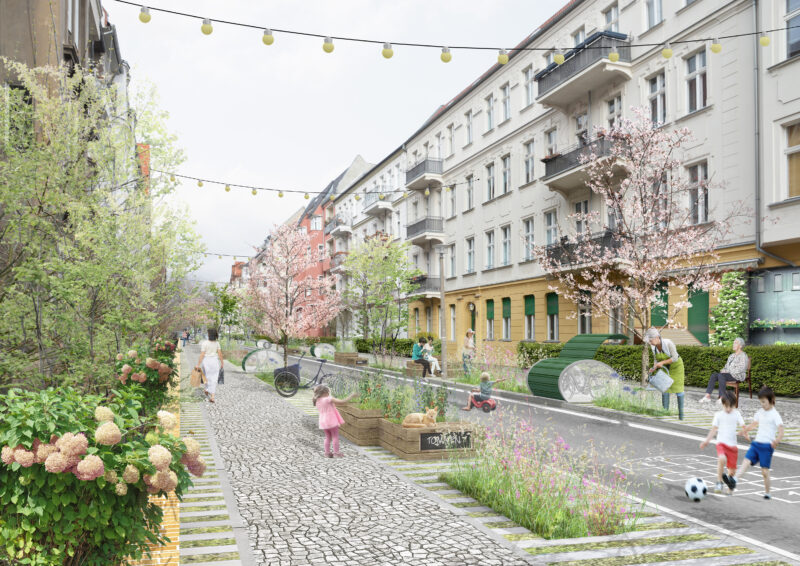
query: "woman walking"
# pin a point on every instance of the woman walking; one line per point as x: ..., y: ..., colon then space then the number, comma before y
x: 666, y: 357
x: 211, y: 362
x: 735, y: 370
x: 468, y: 351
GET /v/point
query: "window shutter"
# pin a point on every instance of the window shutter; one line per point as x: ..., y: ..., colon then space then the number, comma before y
x: 489, y: 309
x: 507, y: 308
x: 530, y: 305
x: 552, y: 303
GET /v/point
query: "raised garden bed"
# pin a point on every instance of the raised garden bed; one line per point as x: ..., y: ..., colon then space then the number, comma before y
x: 360, y: 426
x: 349, y: 359
x: 429, y: 443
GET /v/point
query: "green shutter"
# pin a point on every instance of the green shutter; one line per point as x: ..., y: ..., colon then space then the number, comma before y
x: 530, y: 305
x: 698, y: 315
x: 552, y: 303
x: 507, y: 308
x: 489, y: 309
x: 659, y: 309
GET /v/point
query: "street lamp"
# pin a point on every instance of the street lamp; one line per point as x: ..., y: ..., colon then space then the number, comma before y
x: 442, y: 326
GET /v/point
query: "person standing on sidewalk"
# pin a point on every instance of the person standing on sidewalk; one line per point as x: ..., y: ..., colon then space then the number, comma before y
x: 211, y: 362
x: 468, y: 351
x: 666, y: 357
x: 329, y: 418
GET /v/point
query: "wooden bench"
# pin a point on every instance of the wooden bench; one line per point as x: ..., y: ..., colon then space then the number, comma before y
x: 735, y: 384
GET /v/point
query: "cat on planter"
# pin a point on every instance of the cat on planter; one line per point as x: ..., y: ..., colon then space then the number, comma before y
x: 421, y: 420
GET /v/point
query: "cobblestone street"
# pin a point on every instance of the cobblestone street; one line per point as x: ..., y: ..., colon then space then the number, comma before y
x: 302, y: 508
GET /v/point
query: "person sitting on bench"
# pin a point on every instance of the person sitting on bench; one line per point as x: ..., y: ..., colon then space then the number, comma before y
x: 417, y: 354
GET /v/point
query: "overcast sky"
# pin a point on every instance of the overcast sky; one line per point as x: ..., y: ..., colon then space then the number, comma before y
x: 289, y: 115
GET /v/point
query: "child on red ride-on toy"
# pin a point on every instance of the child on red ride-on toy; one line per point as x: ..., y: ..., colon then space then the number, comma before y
x: 482, y: 398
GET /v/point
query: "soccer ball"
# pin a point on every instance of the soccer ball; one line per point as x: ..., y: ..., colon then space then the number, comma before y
x: 695, y: 489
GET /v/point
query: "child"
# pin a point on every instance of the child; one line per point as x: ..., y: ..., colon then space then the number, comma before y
x: 484, y: 393
x: 724, y: 426
x: 769, y: 435
x: 329, y: 417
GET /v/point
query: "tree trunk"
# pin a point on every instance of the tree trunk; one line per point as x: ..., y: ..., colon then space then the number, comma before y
x: 645, y: 363
x: 285, y: 343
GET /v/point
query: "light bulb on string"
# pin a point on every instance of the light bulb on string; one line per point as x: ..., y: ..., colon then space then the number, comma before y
x: 381, y: 196
x: 172, y: 178
x: 446, y: 56
x: 427, y: 192
x: 144, y: 15
x: 764, y: 40
x: 220, y: 257
x: 358, y: 197
x: 387, y: 50
x: 227, y: 188
x: 280, y: 194
x: 558, y: 58
x: 331, y: 198
x: 254, y: 192
x: 327, y: 45
x: 502, y: 57
x: 200, y: 184
x: 614, y: 55
x: 405, y: 194
x: 666, y: 53
x: 268, y: 38
x: 306, y: 196
x: 448, y: 188
x: 234, y: 258
x: 716, y: 46
x: 206, y: 28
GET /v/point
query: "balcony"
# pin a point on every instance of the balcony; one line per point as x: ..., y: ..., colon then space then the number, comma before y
x: 585, y: 68
x: 426, y: 173
x: 427, y: 287
x: 564, y: 252
x: 339, y: 226
x: 426, y: 230
x: 566, y: 171
x: 337, y: 261
x: 375, y: 203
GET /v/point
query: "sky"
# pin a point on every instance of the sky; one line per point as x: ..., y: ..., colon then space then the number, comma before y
x: 289, y: 115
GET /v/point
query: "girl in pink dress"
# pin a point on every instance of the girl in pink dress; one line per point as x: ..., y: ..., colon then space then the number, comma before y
x: 329, y: 417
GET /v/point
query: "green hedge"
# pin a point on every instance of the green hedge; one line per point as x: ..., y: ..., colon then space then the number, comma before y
x: 775, y: 366
x: 402, y: 346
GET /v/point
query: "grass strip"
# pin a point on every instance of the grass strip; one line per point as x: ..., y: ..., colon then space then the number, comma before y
x: 616, y: 544
x: 216, y: 557
x: 501, y: 524
x: 695, y: 554
x: 204, y: 518
x: 207, y: 542
x: 206, y: 530
x: 658, y: 526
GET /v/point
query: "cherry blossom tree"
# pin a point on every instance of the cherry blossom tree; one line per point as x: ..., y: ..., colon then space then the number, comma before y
x: 656, y: 229
x: 283, y: 299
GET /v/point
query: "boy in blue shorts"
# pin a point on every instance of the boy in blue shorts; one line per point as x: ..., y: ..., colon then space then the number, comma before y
x: 769, y: 435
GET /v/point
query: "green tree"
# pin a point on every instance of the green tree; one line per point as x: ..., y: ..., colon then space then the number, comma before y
x: 225, y: 307
x: 728, y: 319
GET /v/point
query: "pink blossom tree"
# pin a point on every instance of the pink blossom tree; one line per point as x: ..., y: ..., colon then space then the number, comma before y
x: 283, y: 300
x: 656, y: 229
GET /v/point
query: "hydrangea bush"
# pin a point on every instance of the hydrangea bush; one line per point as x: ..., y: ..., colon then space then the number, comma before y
x: 728, y: 319
x: 154, y: 371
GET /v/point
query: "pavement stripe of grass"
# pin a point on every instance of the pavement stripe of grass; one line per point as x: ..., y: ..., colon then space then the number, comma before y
x: 206, y: 530
x: 207, y: 542
x: 522, y: 536
x: 769, y: 563
x: 423, y: 474
x: 204, y: 518
x: 479, y: 514
x: 658, y: 526
x: 617, y: 544
x: 501, y: 524
x: 203, y: 508
x: 463, y: 504
x: 216, y: 557
x: 696, y: 554
x: 438, y: 488
x: 434, y: 480
x: 210, y: 490
x: 196, y: 499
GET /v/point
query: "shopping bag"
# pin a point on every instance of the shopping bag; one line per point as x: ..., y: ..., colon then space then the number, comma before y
x: 221, y: 376
x: 661, y: 380
x: 197, y: 378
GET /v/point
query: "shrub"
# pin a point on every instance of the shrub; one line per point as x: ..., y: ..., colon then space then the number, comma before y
x: 528, y: 353
x: 154, y: 372
x: 728, y: 319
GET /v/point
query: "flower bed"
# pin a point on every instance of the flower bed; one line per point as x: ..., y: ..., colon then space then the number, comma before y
x: 780, y: 323
x: 361, y: 426
x: 632, y: 398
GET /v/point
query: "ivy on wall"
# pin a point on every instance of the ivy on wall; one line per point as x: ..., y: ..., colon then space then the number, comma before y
x: 728, y: 319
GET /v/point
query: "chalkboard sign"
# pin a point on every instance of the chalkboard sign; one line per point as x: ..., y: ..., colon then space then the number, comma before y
x: 444, y: 440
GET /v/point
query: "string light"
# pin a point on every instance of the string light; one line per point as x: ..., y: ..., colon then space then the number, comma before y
x: 206, y: 28
x: 268, y: 38
x: 358, y: 197
x: 764, y: 40
x: 614, y: 55
x: 387, y: 50
x: 502, y: 57
x: 381, y: 196
x: 427, y: 192
x: 254, y: 192
x: 227, y: 188
x: 200, y: 184
x: 716, y: 46
x: 332, y: 198
x: 558, y: 58
x: 666, y: 53
x: 446, y: 56
x: 327, y: 45
x: 305, y: 196
x: 220, y: 257
x: 172, y: 178
x: 280, y: 194
x: 144, y: 15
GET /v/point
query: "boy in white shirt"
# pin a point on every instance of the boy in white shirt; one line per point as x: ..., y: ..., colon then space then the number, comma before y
x: 725, y: 424
x: 770, y: 433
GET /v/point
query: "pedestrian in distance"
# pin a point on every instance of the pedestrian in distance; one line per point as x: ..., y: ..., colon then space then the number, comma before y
x: 725, y: 424
x: 329, y: 418
x: 666, y: 357
x: 184, y: 337
x: 735, y: 370
x: 769, y: 435
x: 417, y: 355
x: 211, y: 362
x: 484, y: 391
x: 468, y: 351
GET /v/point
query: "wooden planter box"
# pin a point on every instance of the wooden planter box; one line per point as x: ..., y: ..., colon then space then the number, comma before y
x: 360, y: 427
x: 348, y: 359
x: 428, y: 443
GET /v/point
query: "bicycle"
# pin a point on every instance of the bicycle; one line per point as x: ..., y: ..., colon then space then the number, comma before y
x: 287, y: 380
x: 261, y: 359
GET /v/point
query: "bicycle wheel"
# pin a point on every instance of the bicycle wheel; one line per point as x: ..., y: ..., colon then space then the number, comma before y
x: 286, y: 383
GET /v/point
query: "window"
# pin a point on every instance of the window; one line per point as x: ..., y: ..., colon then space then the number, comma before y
x: 506, y: 318
x: 698, y: 193
x: 321, y: 251
x: 552, y: 317
x: 582, y: 128
x: 581, y: 222
x: 490, y: 319
x: 490, y: 112
x: 452, y: 260
x: 416, y: 320
x: 613, y: 221
x: 505, y: 234
x: 527, y: 77
x: 530, y: 318
x: 696, y: 81
x: 506, y: 162
x: 470, y: 255
x: 415, y: 260
x: 527, y: 231
x: 795, y: 281
x: 654, y: 13
x: 551, y: 140
x: 490, y: 181
x: 316, y: 223
x: 760, y: 286
x: 548, y: 58
x: 439, y: 150
x: 451, y: 140
x: 470, y: 192
x: 452, y: 198
x: 615, y: 321
x: 428, y: 319
x: 793, y: 159
x: 506, y: 100
x: 614, y: 106
x: 529, y: 161
x: 578, y: 36
x: 585, y: 315
x: 490, y: 249
x: 777, y: 282
x: 452, y: 322
x: 611, y: 18
x: 793, y: 23
x: 550, y: 227
x: 468, y: 120
x: 658, y: 99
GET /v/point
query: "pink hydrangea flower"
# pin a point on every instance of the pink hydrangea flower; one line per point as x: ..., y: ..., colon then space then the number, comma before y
x: 192, y: 449
x: 120, y: 357
x: 90, y: 468
x: 121, y: 488
x: 56, y: 463
x: 43, y: 451
x: 24, y: 458
x: 73, y: 444
x: 102, y: 414
x: 107, y: 434
x: 132, y: 353
x: 126, y: 369
x: 159, y: 456
x: 151, y: 363
x: 166, y: 419
x: 131, y: 474
x: 110, y: 476
x: 198, y: 467
x: 7, y: 455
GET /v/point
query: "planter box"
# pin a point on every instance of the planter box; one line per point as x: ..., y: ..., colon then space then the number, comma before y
x: 348, y: 359
x: 429, y: 443
x: 360, y: 426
